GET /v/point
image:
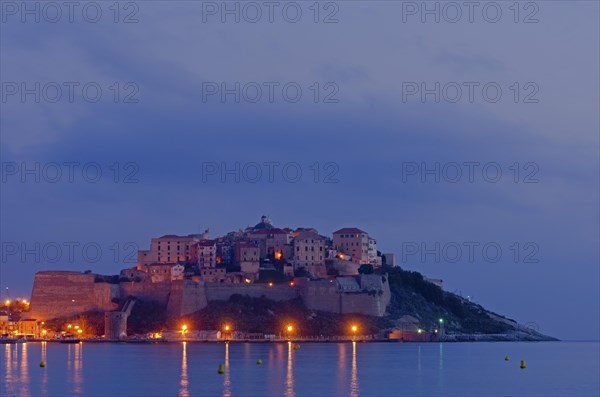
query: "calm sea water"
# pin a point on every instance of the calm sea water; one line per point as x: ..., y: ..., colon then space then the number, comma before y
x: 344, y: 369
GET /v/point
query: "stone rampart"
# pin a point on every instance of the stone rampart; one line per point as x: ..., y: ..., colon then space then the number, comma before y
x: 64, y: 294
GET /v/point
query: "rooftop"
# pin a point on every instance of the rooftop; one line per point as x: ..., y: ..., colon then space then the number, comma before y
x: 349, y: 230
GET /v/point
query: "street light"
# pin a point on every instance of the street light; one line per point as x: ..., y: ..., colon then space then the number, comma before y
x: 290, y: 329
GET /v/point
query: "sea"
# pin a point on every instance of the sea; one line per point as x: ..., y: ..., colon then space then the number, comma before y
x: 301, y: 369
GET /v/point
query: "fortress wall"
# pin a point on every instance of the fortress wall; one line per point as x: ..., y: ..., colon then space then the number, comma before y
x: 186, y: 297
x: 222, y: 292
x: 53, y: 294
x: 147, y: 291
x: 323, y: 297
x: 115, y: 324
x: 362, y: 303
x: 367, y: 304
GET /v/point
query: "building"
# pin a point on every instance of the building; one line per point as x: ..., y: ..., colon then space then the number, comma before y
x: 248, y: 257
x: 170, y: 248
x: 206, y: 253
x: 353, y: 242
x: 274, y: 243
x: 213, y: 274
x: 390, y: 259
x: 309, y: 253
x: 374, y: 259
x: 134, y: 274
x: 160, y: 272
x: 177, y: 272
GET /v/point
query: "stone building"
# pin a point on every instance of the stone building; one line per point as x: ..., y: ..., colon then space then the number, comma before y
x: 354, y: 242
x: 206, y: 253
x: 248, y: 257
x: 309, y: 253
x: 170, y: 248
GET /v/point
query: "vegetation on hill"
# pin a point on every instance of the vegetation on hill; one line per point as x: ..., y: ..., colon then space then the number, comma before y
x: 412, y: 295
x: 146, y: 317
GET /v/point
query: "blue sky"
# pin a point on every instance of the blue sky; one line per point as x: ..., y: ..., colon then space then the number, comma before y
x: 370, y: 56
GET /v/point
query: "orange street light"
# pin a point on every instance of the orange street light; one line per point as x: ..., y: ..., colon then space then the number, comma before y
x: 7, y: 302
x: 69, y: 326
x: 354, y: 328
x: 270, y: 284
x: 227, y: 328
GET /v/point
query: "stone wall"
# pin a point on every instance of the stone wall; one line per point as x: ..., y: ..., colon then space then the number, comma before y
x: 115, y: 325
x: 147, y: 291
x: 322, y: 295
x: 222, y: 291
x: 64, y: 294
x: 53, y: 293
x: 186, y: 297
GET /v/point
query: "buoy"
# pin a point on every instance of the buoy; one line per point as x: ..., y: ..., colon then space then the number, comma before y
x: 221, y: 370
x: 296, y: 347
x: 259, y: 361
x: 42, y: 364
x: 506, y: 358
x: 523, y: 365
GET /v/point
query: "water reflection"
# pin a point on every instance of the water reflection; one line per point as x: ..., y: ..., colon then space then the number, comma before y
x: 341, y: 373
x: 226, y: 378
x: 8, y: 364
x: 24, y: 371
x: 44, y: 388
x: 184, y: 383
x: 354, y: 375
x: 75, y: 365
x: 289, y: 378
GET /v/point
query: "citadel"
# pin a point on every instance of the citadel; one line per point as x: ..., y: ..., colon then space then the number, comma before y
x: 185, y: 273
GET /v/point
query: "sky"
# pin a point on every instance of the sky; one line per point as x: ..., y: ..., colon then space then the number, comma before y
x: 467, y: 145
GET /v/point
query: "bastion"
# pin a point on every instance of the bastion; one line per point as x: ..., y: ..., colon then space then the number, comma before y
x: 59, y: 294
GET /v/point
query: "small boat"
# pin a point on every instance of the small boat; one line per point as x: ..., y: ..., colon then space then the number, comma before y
x: 7, y: 341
